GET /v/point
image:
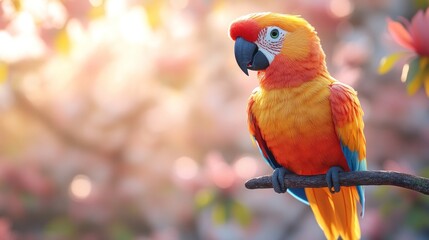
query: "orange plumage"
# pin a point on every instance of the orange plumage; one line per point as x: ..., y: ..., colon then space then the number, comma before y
x: 302, y: 119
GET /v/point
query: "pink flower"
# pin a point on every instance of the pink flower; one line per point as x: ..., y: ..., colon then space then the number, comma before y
x: 413, y: 36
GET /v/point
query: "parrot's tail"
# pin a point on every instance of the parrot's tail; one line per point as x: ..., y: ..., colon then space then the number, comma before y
x: 335, y: 213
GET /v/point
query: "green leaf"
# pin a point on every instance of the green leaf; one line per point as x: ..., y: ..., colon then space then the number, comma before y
x: 410, y: 70
x: 415, y: 84
x: 204, y: 198
x: 416, y: 74
x: 219, y: 213
x: 241, y: 213
x: 120, y: 232
x: 425, y: 77
x: 417, y: 218
x: 61, y: 228
x: 388, y: 62
x: 426, y: 83
x: 421, y: 4
x: 424, y: 172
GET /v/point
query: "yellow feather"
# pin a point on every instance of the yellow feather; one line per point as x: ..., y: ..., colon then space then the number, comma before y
x: 300, y: 32
x: 284, y: 21
x: 322, y: 208
x: 352, y: 138
x: 335, y: 213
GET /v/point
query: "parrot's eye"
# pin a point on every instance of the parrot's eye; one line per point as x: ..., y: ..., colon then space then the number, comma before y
x: 270, y: 41
x: 274, y: 33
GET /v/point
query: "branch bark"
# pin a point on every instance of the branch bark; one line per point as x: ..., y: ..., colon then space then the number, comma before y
x: 415, y: 183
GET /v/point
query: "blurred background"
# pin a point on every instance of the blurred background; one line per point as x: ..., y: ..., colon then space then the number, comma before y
x: 126, y: 119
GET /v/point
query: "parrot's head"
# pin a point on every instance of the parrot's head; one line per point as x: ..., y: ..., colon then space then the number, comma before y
x: 285, y: 49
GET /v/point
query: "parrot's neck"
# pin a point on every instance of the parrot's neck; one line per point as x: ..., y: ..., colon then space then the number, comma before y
x: 285, y: 72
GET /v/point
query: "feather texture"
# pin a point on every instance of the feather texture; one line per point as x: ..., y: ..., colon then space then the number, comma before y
x: 347, y: 116
x: 304, y: 120
x: 335, y: 213
x: 307, y: 130
x: 295, y: 124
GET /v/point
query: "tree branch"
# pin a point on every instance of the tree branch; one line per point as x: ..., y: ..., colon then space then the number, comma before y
x: 415, y: 183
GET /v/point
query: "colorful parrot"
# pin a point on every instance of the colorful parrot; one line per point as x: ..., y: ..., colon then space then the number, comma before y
x: 302, y: 119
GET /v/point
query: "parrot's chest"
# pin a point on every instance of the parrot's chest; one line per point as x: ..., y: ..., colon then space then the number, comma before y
x: 297, y: 126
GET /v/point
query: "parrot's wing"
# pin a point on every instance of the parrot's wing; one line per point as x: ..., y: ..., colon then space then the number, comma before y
x: 255, y: 131
x: 347, y: 116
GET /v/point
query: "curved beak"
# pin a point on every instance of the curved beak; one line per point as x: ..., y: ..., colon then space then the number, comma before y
x: 248, y: 56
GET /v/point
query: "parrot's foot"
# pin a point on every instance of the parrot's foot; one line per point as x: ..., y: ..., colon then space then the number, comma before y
x: 279, y: 180
x: 333, y: 179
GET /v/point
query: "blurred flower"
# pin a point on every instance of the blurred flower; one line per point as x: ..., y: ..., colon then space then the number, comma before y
x: 186, y: 167
x: 220, y: 172
x: 217, y: 196
x: 415, y: 38
x: 124, y: 119
x: 5, y: 231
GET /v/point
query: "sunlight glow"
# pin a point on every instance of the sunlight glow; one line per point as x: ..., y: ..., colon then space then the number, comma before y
x: 57, y: 14
x: 341, y: 8
x: 115, y: 7
x: 245, y: 167
x: 179, y: 4
x: 95, y: 3
x: 23, y: 42
x: 180, y: 26
x: 80, y: 187
x: 134, y: 26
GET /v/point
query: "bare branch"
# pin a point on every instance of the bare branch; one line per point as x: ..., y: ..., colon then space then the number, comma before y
x: 415, y: 183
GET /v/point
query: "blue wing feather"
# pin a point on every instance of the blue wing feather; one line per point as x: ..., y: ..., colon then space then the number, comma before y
x: 355, y: 165
x: 298, y: 193
x: 269, y: 158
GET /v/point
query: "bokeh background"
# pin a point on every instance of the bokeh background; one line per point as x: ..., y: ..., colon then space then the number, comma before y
x: 125, y: 119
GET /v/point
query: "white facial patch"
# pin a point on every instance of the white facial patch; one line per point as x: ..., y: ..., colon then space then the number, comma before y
x: 270, y: 41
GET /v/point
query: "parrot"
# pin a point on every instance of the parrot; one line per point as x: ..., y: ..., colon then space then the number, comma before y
x: 302, y: 119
